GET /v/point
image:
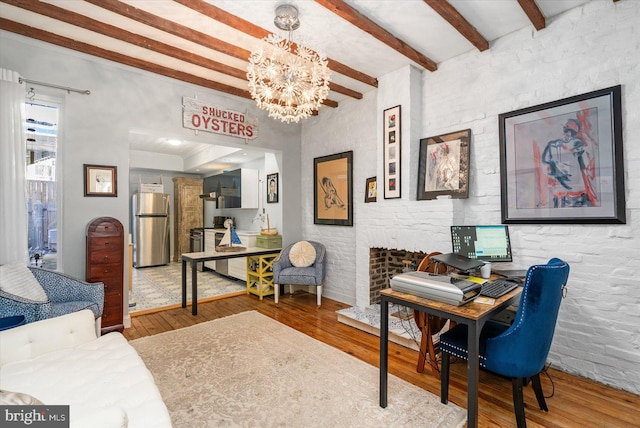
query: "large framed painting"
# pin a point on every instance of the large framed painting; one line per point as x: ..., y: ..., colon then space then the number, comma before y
x: 562, y: 162
x: 333, y: 189
x: 444, y: 166
x: 392, y: 143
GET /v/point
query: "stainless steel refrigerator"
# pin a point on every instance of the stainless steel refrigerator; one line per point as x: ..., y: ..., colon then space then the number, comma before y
x: 151, y: 246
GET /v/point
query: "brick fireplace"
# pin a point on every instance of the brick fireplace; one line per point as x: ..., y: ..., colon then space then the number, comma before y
x: 384, y: 263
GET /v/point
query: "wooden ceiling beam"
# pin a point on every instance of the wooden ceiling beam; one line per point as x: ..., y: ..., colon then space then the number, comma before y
x: 85, y: 22
x: 457, y: 21
x: 45, y: 36
x: 194, y: 36
x: 534, y: 13
x: 253, y: 30
x: 350, y: 14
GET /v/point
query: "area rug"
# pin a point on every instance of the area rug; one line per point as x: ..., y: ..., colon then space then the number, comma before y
x: 248, y: 370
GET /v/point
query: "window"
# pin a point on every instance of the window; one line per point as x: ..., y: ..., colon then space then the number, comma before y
x: 42, y: 184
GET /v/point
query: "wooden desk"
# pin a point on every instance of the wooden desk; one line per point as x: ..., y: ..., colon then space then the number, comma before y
x: 473, y: 314
x: 205, y: 256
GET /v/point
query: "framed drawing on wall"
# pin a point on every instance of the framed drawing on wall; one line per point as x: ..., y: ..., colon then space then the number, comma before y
x: 561, y: 162
x: 333, y: 189
x: 272, y: 188
x: 371, y: 190
x: 444, y: 165
x: 100, y: 180
x: 392, y: 142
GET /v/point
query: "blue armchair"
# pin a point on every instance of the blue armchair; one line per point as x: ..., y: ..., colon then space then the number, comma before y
x: 60, y: 294
x: 518, y: 351
x: 299, y: 272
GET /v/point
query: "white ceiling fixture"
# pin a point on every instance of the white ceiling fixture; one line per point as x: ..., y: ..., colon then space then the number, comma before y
x: 288, y: 80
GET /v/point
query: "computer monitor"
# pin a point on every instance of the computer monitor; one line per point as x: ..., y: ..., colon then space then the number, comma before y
x: 486, y: 243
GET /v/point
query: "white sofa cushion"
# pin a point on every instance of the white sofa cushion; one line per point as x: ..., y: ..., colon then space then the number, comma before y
x: 17, y: 279
x: 88, y: 375
x: 40, y: 337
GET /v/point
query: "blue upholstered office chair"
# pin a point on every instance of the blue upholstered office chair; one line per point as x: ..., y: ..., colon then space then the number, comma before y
x: 301, y: 263
x: 518, y: 351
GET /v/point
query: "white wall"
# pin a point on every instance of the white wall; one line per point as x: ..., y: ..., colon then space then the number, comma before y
x: 97, y: 129
x: 589, y: 48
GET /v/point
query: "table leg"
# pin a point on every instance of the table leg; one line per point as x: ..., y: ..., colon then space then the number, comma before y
x: 384, y: 350
x: 194, y: 288
x: 473, y: 372
x: 184, y: 283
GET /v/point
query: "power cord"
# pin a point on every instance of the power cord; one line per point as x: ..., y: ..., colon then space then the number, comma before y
x: 545, y: 370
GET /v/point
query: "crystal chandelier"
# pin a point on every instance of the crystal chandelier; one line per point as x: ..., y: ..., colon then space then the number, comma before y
x: 288, y: 80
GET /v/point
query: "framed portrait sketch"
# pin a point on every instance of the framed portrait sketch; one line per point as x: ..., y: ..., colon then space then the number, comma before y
x: 371, y: 190
x: 100, y: 180
x: 561, y: 162
x: 444, y: 165
x: 392, y: 140
x: 272, y: 188
x: 333, y: 189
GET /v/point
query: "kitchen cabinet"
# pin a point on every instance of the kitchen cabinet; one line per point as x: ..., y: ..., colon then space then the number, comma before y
x: 233, y: 189
x: 237, y: 267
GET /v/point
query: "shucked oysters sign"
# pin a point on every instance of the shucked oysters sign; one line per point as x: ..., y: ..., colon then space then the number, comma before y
x: 218, y: 120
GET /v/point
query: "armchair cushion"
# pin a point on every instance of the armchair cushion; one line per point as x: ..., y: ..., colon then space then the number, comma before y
x: 16, y: 279
x: 302, y: 254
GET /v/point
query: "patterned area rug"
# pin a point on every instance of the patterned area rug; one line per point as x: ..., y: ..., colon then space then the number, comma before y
x: 248, y: 370
x: 159, y: 286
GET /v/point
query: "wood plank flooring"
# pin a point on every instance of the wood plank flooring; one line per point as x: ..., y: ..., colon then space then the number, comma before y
x: 576, y: 402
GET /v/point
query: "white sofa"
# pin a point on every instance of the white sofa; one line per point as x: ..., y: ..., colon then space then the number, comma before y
x: 60, y: 361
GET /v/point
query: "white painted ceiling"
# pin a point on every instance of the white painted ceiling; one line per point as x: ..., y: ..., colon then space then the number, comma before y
x: 413, y: 22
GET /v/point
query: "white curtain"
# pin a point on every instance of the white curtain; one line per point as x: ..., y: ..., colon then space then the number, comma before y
x: 13, y: 187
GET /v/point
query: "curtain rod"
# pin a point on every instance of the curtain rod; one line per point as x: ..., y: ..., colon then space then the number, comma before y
x: 65, y: 88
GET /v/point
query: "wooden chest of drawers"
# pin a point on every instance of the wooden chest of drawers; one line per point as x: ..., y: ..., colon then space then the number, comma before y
x: 105, y: 263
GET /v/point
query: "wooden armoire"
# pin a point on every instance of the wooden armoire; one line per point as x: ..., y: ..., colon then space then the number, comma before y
x: 188, y: 209
x: 105, y: 263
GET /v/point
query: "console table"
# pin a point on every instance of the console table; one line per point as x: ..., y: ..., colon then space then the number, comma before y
x: 205, y: 256
x: 473, y: 314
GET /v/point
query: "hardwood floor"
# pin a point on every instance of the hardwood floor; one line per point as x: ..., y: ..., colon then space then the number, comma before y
x: 576, y: 402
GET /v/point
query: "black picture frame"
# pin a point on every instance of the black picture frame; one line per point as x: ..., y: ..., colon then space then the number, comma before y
x: 333, y: 189
x: 392, y: 138
x: 371, y: 190
x: 562, y: 162
x: 273, y: 186
x: 100, y: 180
x: 444, y: 166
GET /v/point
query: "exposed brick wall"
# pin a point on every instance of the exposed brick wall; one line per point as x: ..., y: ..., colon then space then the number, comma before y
x: 591, y: 47
x: 384, y: 263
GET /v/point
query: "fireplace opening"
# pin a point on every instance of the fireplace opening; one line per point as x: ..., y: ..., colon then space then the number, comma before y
x: 384, y: 263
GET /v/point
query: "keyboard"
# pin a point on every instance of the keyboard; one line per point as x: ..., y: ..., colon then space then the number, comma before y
x: 498, y: 288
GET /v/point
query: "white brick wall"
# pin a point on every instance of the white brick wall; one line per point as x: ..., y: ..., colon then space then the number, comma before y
x: 591, y: 47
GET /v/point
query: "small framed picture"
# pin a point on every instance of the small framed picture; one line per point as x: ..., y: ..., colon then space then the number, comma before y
x: 444, y: 166
x: 272, y: 188
x: 371, y: 190
x: 100, y: 180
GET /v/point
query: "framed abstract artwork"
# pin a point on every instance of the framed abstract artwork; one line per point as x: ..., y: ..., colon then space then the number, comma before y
x: 392, y: 142
x: 444, y: 166
x: 562, y: 162
x: 333, y: 189
x: 100, y: 180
